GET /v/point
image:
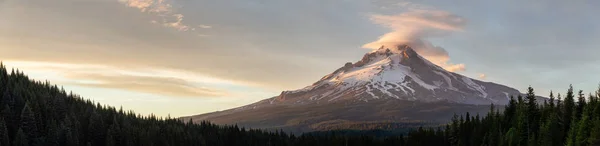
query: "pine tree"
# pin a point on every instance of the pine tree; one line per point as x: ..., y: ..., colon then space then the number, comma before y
x: 560, y: 134
x: 114, y: 132
x: 110, y: 140
x: 572, y: 134
x: 583, y: 127
x: 4, y: 139
x: 512, y: 138
x: 549, y: 131
x: 9, y: 119
x: 53, y: 134
x: 580, y: 105
x: 594, y: 138
x: 21, y: 138
x: 532, y: 115
x: 70, y: 137
x: 569, y: 106
x: 509, y: 114
x: 96, y: 129
x: 522, y: 126
x: 28, y: 123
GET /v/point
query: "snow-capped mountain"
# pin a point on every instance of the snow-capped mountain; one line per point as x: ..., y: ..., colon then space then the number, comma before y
x: 397, y: 73
x: 394, y: 84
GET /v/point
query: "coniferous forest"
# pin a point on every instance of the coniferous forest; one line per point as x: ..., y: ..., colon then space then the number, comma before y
x: 34, y: 113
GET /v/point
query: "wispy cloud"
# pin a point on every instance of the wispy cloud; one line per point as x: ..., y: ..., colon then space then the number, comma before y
x: 177, y: 24
x: 169, y: 86
x: 171, y: 83
x: 164, y: 10
x: 414, y: 27
x: 204, y: 26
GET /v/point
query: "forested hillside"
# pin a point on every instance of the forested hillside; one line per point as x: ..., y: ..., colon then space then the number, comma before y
x: 40, y: 114
x: 35, y: 113
x: 572, y: 121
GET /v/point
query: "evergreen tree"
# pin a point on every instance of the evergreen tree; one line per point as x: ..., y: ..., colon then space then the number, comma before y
x: 4, y: 139
x: 21, y: 138
x: 522, y: 127
x: 9, y: 119
x: 560, y: 121
x: 28, y: 122
x: 509, y: 114
x: 549, y: 132
x: 512, y: 138
x: 583, y: 128
x: 572, y: 134
x: 96, y: 129
x: 53, y: 135
x: 580, y: 104
x: 594, y: 138
x: 532, y: 115
x: 569, y: 106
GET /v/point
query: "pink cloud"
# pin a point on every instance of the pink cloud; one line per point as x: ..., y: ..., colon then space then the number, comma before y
x: 162, y: 9
x: 414, y: 27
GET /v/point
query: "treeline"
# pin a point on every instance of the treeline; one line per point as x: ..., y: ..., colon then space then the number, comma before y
x: 524, y: 122
x: 34, y: 113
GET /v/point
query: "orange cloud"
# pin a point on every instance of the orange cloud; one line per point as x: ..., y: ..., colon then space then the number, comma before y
x: 205, y: 26
x: 177, y: 24
x: 173, y: 87
x: 162, y: 9
x: 414, y: 27
x: 161, y: 81
x: 482, y: 76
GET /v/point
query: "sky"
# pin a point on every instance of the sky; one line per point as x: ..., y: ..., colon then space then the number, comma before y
x: 186, y: 57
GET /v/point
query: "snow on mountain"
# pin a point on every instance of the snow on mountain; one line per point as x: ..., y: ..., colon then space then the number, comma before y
x: 396, y: 73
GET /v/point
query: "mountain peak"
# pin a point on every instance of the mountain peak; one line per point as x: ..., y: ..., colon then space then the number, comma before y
x: 383, y: 64
x: 397, y: 72
x: 403, y: 50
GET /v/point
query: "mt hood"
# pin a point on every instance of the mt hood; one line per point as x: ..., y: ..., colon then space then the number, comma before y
x: 388, y: 85
x: 397, y: 73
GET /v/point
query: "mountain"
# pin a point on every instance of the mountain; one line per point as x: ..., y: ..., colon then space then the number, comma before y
x: 398, y: 73
x: 388, y: 85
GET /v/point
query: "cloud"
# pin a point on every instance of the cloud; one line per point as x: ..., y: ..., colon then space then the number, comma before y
x: 173, y: 87
x: 177, y: 24
x: 482, y: 76
x: 161, y: 81
x: 455, y: 67
x: 414, y: 27
x: 204, y: 26
x: 162, y: 9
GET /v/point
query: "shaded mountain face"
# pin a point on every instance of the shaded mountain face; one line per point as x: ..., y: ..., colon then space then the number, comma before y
x: 389, y: 84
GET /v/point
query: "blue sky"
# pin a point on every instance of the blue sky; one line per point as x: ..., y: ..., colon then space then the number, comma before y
x: 183, y: 57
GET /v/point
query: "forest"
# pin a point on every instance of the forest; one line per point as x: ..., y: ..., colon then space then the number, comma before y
x: 36, y: 113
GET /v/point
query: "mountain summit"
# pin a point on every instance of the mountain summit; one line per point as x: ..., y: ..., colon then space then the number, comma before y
x: 397, y: 73
x: 389, y: 85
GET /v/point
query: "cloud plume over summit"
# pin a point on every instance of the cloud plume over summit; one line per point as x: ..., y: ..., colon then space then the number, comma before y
x: 414, y: 27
